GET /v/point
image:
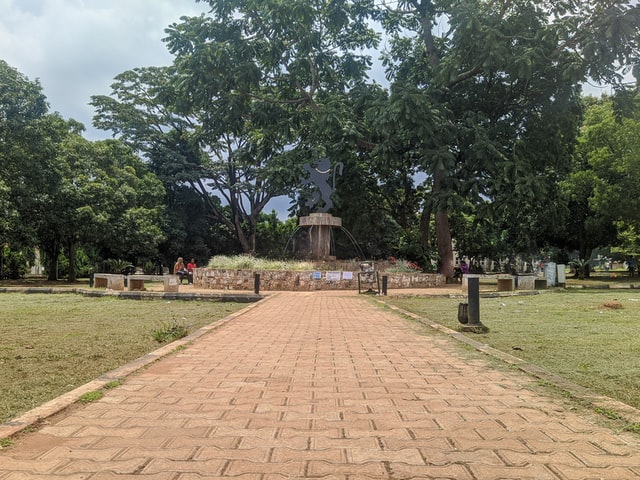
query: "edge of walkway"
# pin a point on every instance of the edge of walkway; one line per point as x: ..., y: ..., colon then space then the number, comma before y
x: 601, y: 404
x: 34, y: 417
x: 239, y: 296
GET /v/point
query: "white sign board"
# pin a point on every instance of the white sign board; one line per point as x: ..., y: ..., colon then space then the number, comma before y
x: 333, y: 276
x: 551, y: 272
x: 562, y: 274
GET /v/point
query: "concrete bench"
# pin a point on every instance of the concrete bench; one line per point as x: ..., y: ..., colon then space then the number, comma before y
x: 136, y: 281
x: 506, y: 283
x: 526, y: 282
x: 502, y: 281
x: 540, y: 283
x: 111, y: 281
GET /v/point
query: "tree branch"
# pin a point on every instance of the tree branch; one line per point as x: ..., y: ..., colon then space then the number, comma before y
x: 466, y: 76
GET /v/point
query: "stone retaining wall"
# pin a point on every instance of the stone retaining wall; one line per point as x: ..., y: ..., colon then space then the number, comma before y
x: 216, y: 279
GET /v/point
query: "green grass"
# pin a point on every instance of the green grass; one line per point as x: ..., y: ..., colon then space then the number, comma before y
x: 570, y: 333
x: 613, y: 278
x: 90, y: 397
x: 168, y: 331
x: 6, y: 443
x: 51, y: 344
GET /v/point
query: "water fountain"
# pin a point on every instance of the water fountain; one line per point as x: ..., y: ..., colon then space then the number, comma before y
x: 320, y: 225
x: 317, y: 228
x: 316, y: 238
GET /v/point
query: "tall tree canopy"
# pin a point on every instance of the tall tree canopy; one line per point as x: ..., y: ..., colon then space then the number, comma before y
x: 603, y: 191
x: 232, y: 116
x: 60, y: 192
x: 492, y: 87
x: 106, y: 201
x: 27, y: 151
x: 483, y: 101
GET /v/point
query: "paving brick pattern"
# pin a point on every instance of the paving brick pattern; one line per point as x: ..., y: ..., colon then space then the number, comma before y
x: 328, y: 386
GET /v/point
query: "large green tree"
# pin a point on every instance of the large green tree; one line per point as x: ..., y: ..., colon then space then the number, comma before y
x: 493, y: 89
x: 603, y: 191
x: 27, y: 152
x: 107, y: 201
x: 61, y: 192
x: 483, y: 101
x: 232, y: 115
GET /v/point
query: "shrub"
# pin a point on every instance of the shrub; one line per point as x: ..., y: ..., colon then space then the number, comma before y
x: 247, y: 262
x: 14, y: 264
x: 171, y: 330
x: 403, y: 266
x: 120, y: 266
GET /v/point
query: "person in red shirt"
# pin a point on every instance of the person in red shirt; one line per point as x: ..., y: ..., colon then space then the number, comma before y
x: 191, y: 266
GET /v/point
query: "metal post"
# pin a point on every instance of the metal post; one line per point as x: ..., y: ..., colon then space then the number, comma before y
x: 473, y: 285
x: 385, y: 279
x: 256, y: 283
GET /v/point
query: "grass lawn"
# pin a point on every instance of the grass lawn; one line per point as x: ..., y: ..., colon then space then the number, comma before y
x: 569, y: 332
x: 53, y: 343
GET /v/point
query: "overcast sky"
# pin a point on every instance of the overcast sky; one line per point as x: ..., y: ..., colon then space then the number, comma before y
x: 76, y: 47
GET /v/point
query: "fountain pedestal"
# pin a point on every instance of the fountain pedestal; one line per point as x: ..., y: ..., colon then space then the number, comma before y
x: 320, y: 233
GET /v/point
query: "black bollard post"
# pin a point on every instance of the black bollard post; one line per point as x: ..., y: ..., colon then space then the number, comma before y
x: 385, y: 280
x: 90, y: 278
x: 256, y: 283
x: 474, y: 325
x: 474, y: 300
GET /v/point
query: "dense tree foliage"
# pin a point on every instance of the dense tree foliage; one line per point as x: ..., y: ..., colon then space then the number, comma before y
x: 61, y: 193
x: 473, y: 137
x: 485, y: 99
x: 107, y: 199
x: 26, y: 153
x: 229, y: 117
x: 602, y: 191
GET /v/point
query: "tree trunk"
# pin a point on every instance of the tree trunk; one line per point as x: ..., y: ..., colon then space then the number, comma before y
x: 586, y: 255
x: 252, y: 239
x: 425, y: 225
x: 52, y: 262
x: 445, y: 246
x: 443, y: 231
x: 73, y: 275
x: 245, y: 243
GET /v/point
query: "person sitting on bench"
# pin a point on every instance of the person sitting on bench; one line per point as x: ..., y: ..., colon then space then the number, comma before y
x: 180, y: 270
x: 191, y: 266
x: 460, y: 270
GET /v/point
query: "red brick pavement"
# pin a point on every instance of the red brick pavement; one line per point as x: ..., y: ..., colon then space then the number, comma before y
x: 322, y: 385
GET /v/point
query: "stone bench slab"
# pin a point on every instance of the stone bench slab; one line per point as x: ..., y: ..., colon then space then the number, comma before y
x: 136, y: 282
x: 111, y: 281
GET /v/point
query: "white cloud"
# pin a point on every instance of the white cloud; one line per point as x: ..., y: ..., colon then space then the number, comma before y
x: 77, y: 47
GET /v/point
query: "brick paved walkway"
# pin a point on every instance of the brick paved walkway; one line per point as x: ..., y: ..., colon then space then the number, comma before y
x: 322, y: 385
